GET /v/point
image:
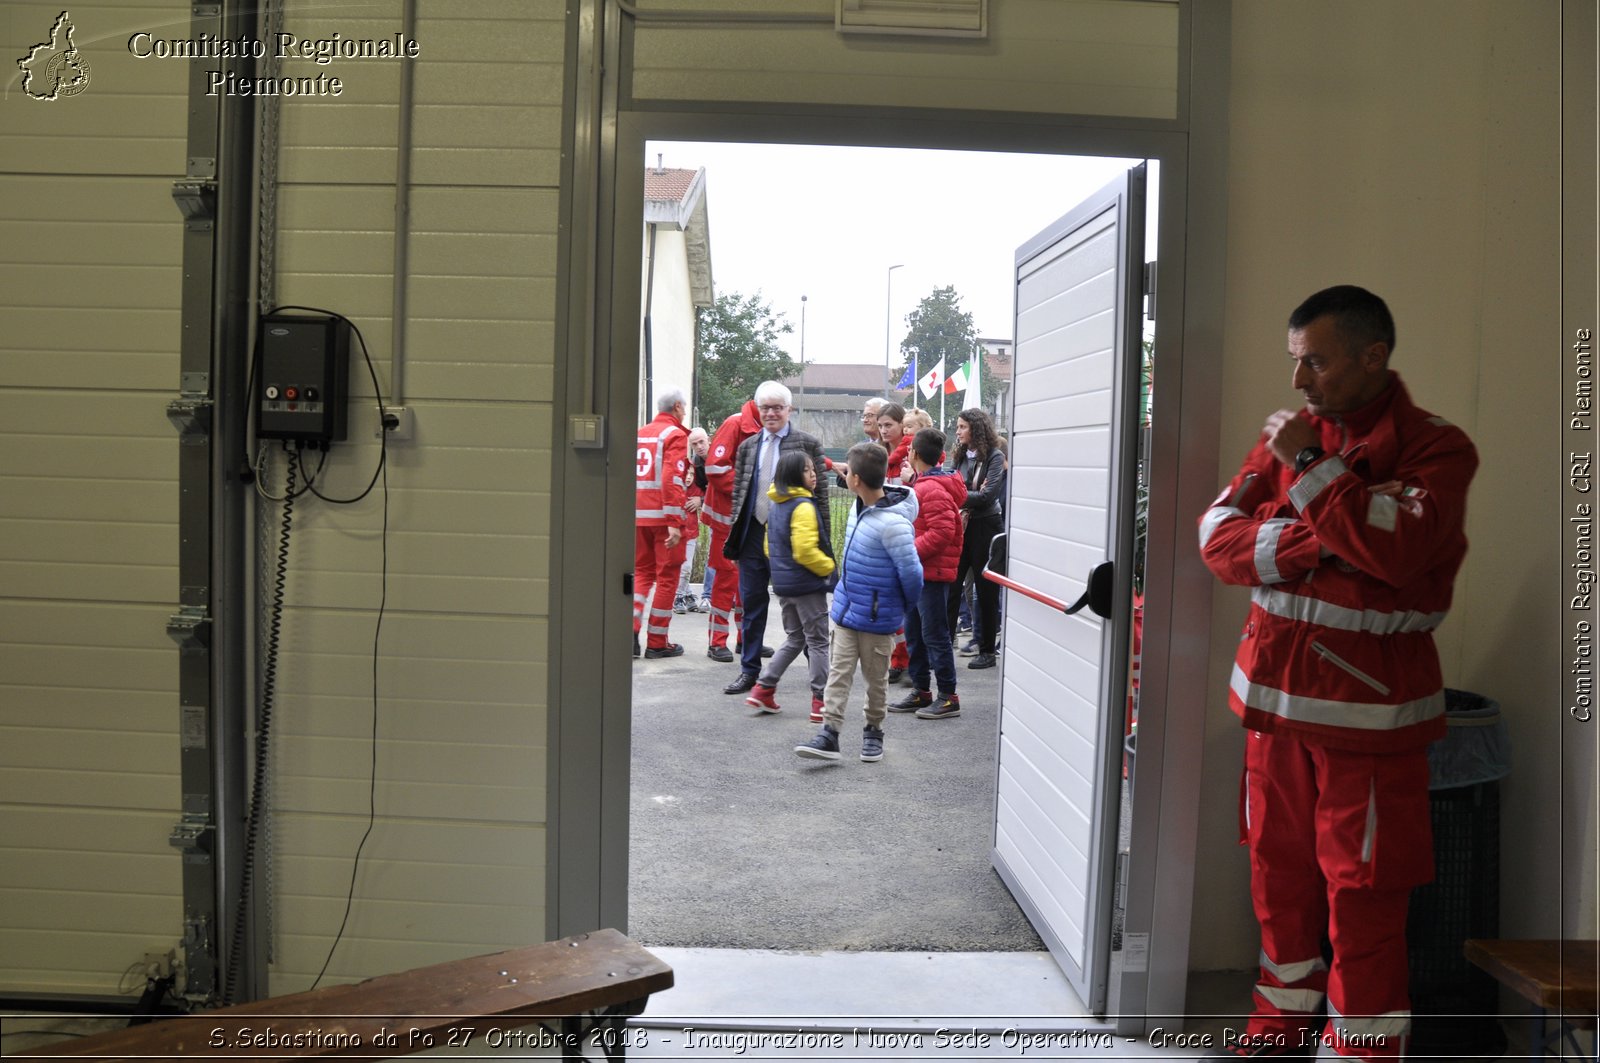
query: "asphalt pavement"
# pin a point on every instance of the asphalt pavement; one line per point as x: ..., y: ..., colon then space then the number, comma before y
x: 739, y: 843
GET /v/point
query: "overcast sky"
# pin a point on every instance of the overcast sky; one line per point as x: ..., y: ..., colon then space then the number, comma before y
x: 828, y: 222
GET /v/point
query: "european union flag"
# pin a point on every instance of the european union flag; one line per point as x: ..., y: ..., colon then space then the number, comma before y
x: 907, y: 379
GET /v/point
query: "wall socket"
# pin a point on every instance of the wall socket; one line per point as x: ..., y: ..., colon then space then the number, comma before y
x: 400, y: 433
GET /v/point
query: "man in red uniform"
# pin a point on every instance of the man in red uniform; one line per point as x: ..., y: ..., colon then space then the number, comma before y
x: 718, y: 511
x: 662, y: 460
x: 1346, y: 521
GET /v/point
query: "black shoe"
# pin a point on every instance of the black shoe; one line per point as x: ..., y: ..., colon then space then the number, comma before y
x: 743, y: 685
x: 637, y: 652
x: 917, y: 699
x: 948, y: 707
x: 824, y: 745
x: 982, y: 660
x: 895, y: 674
x: 655, y: 653
x: 766, y: 651
x: 720, y: 654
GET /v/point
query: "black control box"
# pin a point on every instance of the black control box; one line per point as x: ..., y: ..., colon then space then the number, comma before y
x: 304, y: 378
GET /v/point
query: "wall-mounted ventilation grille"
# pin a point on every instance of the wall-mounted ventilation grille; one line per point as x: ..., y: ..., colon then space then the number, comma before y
x: 918, y: 18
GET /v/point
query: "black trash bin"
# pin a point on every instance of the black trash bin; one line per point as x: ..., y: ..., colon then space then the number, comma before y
x: 1452, y: 1002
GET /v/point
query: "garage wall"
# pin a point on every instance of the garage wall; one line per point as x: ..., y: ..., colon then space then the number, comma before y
x: 455, y: 863
x: 1408, y: 148
x: 1099, y: 57
x: 89, y: 289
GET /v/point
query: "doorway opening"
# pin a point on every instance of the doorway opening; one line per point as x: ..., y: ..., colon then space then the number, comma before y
x: 824, y: 261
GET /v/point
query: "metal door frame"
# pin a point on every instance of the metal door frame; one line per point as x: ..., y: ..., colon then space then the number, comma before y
x: 589, y: 716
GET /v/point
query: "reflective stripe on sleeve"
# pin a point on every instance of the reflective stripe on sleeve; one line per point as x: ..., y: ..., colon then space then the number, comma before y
x: 1324, y: 614
x: 718, y: 470
x: 1267, y: 549
x: 1382, y: 511
x: 1215, y: 516
x: 1363, y: 716
x: 1315, y: 479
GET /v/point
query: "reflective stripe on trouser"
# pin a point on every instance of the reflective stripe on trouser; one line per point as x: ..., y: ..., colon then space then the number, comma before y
x: 1337, y: 841
x: 724, y: 590
x: 655, y: 580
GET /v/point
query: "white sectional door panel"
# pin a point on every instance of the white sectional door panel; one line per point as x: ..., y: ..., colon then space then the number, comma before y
x: 1069, y: 509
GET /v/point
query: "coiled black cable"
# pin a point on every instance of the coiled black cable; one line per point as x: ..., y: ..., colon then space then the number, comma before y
x: 269, y: 680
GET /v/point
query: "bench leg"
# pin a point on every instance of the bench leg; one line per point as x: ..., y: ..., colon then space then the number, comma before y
x: 609, y: 1027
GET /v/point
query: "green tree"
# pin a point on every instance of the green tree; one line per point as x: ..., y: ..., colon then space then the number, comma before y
x: 738, y: 340
x: 939, y: 328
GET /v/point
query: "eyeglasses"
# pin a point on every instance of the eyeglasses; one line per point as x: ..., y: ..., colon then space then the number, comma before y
x: 779, y: 408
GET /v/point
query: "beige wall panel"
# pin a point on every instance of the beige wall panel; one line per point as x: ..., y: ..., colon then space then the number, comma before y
x: 441, y: 868
x: 1051, y: 56
x: 128, y: 120
x: 87, y: 498
x: 1360, y: 154
x: 44, y: 848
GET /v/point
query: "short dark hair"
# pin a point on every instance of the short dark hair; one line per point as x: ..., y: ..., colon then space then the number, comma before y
x: 928, y: 444
x: 870, y: 462
x: 892, y: 410
x: 1361, y: 317
x: 791, y: 470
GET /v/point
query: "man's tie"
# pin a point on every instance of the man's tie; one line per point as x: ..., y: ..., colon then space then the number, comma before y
x: 769, y: 465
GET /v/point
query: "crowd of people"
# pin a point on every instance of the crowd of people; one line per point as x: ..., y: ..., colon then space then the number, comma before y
x: 890, y: 605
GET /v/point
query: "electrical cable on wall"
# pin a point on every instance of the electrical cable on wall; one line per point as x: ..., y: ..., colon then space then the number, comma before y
x: 302, y: 479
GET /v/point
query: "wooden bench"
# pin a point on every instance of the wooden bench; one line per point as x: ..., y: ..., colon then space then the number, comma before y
x: 568, y: 995
x: 1557, y: 977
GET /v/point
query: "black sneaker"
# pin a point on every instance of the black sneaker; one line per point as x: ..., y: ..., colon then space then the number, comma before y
x: 824, y: 745
x: 919, y: 699
x: 969, y: 649
x: 871, y: 743
x: 895, y: 674
x: 655, y: 653
x: 982, y: 660
x: 720, y: 654
x: 948, y: 707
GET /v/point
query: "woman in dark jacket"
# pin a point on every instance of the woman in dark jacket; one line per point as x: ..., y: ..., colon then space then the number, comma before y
x: 980, y: 462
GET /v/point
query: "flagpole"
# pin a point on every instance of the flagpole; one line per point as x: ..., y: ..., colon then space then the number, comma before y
x: 915, y: 376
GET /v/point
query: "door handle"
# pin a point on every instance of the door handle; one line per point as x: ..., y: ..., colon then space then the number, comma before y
x: 1097, y: 595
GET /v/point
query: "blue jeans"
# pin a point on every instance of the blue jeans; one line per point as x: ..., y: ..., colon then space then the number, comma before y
x: 928, y: 639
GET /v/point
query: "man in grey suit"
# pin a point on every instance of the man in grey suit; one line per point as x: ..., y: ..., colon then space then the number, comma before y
x: 753, y: 466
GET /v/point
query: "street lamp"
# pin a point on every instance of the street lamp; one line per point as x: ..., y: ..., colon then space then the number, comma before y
x: 802, y: 347
x: 888, y: 315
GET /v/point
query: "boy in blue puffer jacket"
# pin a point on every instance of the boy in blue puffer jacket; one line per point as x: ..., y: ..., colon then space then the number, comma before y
x: 880, y: 578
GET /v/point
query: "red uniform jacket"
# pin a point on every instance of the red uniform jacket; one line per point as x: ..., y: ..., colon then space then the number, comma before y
x: 719, y: 462
x: 661, y: 461
x: 1348, y: 584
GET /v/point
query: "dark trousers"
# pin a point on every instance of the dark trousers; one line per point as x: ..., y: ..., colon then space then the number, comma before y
x: 755, y: 574
x: 928, y: 639
x: 974, y: 555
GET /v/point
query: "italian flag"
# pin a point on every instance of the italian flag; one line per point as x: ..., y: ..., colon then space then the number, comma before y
x: 964, y: 379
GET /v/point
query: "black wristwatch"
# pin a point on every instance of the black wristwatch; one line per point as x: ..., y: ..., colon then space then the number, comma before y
x: 1306, y: 457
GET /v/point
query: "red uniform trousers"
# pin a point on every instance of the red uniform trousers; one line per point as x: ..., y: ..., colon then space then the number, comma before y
x: 1337, y: 841
x: 725, y: 613
x: 655, y: 581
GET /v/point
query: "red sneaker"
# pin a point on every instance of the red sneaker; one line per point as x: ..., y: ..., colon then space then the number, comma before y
x: 761, y: 698
x: 816, y: 709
